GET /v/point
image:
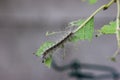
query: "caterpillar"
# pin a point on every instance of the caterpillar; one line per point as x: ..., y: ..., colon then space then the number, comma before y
x: 60, y: 43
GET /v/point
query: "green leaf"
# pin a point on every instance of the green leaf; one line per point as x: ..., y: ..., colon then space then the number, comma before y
x: 86, y: 32
x: 77, y: 23
x: 92, y: 1
x: 109, y: 28
x: 48, y: 62
x: 43, y: 47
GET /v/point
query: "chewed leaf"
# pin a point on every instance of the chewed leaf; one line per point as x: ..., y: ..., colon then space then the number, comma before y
x: 86, y: 32
x: 109, y: 29
x: 48, y: 62
x: 43, y: 48
x: 92, y: 1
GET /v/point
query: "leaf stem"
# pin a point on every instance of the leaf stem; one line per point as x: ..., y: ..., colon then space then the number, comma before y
x: 117, y: 28
x: 103, y: 7
x: 117, y: 23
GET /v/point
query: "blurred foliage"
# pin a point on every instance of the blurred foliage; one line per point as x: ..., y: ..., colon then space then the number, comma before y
x: 91, y: 1
x: 48, y: 62
x: 109, y: 28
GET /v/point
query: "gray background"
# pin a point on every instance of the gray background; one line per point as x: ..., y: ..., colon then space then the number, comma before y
x: 23, y: 24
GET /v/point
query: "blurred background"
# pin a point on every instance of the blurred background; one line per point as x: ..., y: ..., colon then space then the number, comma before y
x: 23, y: 24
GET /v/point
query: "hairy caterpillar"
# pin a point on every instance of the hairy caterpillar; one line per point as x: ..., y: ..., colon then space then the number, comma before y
x: 60, y: 43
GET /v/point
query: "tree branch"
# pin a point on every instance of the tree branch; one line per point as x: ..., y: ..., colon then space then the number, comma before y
x: 103, y: 7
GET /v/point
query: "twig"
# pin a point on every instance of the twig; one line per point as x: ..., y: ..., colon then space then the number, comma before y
x: 117, y: 23
x: 103, y: 7
x: 117, y: 28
